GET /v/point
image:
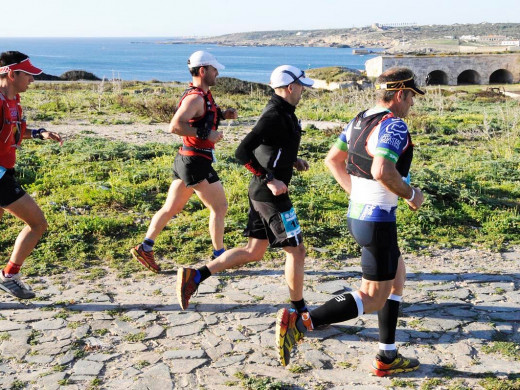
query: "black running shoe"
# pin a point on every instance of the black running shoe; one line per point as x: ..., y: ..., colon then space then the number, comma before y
x: 15, y: 287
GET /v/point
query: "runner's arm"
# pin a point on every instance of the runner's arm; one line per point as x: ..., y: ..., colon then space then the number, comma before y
x: 245, y: 156
x: 4, y: 146
x: 384, y: 171
x: 336, y: 162
x: 253, y: 140
x: 46, y: 134
x: 230, y: 113
x: 42, y: 134
x: 301, y: 165
x: 192, y: 107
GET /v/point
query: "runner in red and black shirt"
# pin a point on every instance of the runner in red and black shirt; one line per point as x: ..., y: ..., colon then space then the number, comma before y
x: 196, y: 120
x: 16, y: 74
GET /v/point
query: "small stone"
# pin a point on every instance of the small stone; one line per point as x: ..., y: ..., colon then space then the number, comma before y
x: 87, y: 368
x: 56, y: 323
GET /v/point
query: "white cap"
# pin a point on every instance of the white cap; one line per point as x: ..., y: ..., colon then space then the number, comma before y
x: 203, y: 58
x: 287, y: 74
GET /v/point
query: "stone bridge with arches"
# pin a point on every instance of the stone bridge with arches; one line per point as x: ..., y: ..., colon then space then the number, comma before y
x: 453, y: 69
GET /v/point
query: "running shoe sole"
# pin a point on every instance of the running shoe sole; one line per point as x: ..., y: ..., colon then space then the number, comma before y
x: 287, y: 335
x: 282, y: 322
x: 183, y: 276
x: 27, y: 294
x: 390, y: 371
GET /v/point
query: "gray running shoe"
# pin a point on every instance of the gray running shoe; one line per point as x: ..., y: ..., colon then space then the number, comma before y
x: 15, y: 287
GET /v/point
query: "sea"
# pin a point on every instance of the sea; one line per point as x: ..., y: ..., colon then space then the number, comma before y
x: 165, y: 59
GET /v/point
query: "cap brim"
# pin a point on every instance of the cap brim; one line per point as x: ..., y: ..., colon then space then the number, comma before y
x: 23, y: 66
x: 306, y: 82
x: 32, y: 70
x: 27, y: 67
x: 417, y: 90
x: 217, y: 65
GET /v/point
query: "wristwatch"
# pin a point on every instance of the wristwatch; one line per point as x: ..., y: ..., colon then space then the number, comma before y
x: 269, y: 177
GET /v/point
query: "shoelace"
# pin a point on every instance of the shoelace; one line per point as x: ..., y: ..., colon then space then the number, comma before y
x: 21, y: 284
x: 193, y: 292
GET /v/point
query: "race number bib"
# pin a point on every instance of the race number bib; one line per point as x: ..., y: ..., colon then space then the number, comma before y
x: 290, y: 222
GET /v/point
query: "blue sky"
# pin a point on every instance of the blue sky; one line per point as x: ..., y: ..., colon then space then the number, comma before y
x: 171, y: 18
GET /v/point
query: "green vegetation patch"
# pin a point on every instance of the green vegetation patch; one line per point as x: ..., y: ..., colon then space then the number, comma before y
x: 493, y: 383
x: 504, y: 348
x: 335, y: 74
x: 251, y: 382
x: 98, y: 195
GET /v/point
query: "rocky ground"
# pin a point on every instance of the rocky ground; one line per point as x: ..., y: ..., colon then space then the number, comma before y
x: 131, y: 334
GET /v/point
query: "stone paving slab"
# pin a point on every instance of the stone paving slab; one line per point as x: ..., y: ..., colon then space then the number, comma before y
x: 130, y: 333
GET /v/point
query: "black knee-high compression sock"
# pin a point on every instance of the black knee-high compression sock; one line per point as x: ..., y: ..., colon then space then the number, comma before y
x: 341, y: 308
x: 387, y: 319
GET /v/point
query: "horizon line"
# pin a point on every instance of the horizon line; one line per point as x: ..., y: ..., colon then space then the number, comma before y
x: 240, y: 32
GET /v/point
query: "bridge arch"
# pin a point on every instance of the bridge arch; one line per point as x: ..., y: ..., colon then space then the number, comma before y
x: 468, y: 76
x: 437, y: 77
x: 501, y: 76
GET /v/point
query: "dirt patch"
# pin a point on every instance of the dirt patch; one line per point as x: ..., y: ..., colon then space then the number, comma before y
x: 139, y: 133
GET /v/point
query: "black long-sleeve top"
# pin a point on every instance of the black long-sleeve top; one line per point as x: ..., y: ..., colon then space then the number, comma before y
x: 271, y: 147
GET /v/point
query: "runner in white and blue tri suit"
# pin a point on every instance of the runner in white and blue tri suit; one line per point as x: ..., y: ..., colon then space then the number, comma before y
x: 371, y: 161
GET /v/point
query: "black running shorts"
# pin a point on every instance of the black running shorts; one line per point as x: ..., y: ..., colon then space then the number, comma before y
x: 275, y: 221
x: 379, y: 251
x: 194, y: 169
x: 10, y: 189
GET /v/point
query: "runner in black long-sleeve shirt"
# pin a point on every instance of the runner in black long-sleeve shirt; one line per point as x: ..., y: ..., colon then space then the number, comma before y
x: 270, y: 153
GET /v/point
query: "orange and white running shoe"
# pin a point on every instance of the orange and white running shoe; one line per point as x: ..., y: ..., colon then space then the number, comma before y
x: 145, y: 258
x: 398, y: 365
x: 287, y: 334
x: 186, y: 286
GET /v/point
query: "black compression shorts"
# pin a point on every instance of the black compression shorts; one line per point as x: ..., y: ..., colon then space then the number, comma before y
x: 10, y: 189
x: 276, y: 222
x: 194, y: 169
x: 379, y: 251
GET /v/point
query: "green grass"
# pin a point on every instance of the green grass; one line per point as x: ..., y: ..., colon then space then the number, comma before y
x: 4, y: 336
x: 99, y: 195
x: 493, y: 383
x: 18, y: 385
x: 402, y: 383
x: 141, y: 364
x: 260, y: 383
x: 504, y: 348
x: 135, y: 337
x: 432, y: 383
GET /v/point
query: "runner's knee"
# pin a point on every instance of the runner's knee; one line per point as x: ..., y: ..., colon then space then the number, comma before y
x: 373, y: 300
x: 171, y: 209
x: 39, y: 226
x: 254, y: 252
x: 220, y: 209
x: 255, y: 256
x: 300, y: 253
